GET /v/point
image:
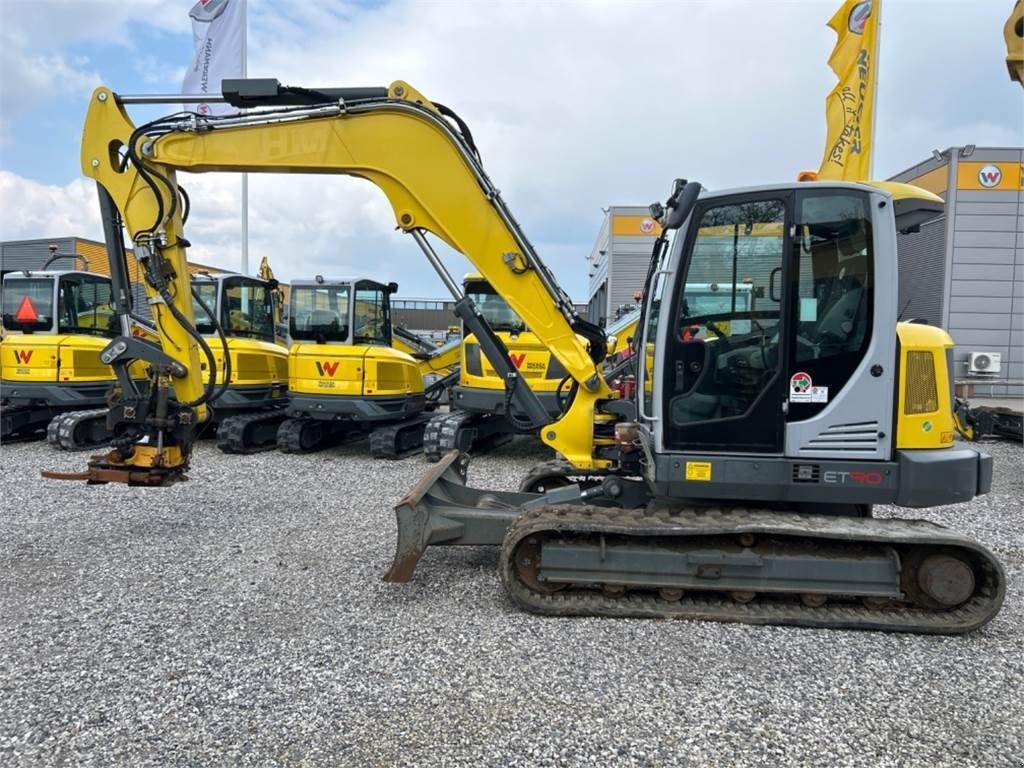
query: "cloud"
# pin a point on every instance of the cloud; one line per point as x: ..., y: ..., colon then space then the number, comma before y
x: 575, y: 106
x: 29, y: 209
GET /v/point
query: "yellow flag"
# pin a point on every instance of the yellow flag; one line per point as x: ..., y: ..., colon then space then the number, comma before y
x: 850, y: 106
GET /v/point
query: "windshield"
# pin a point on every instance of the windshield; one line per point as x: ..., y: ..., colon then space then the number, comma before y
x: 715, y: 300
x: 373, y: 322
x: 319, y: 313
x: 28, y: 304
x: 207, y: 290
x: 246, y: 307
x: 85, y: 306
x: 496, y: 311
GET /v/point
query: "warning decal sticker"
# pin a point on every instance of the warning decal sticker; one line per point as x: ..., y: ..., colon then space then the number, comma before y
x: 802, y: 390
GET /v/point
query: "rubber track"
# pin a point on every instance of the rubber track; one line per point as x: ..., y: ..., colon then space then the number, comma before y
x: 764, y: 609
x: 68, y: 423
x: 289, y: 437
x: 441, y: 433
x: 231, y: 436
x: 384, y: 441
x: 53, y: 431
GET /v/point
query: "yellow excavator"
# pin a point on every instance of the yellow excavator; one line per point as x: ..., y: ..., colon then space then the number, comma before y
x: 345, y: 377
x: 55, y: 324
x: 738, y: 483
x: 482, y: 413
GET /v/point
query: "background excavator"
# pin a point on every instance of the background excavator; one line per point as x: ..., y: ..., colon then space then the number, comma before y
x: 345, y: 378
x: 736, y: 486
x: 483, y: 414
x: 56, y: 323
x: 248, y: 407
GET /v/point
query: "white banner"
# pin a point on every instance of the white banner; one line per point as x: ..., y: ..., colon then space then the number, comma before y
x: 217, y: 35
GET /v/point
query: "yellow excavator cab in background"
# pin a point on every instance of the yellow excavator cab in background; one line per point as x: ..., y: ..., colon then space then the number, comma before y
x: 56, y: 323
x: 250, y: 362
x: 737, y: 484
x: 345, y: 378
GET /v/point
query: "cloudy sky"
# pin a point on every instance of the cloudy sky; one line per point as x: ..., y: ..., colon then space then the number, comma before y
x: 574, y: 106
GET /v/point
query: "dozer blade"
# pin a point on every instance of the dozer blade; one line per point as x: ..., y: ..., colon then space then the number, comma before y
x: 440, y: 509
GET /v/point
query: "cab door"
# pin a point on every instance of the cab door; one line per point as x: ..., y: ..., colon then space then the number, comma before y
x: 724, y: 371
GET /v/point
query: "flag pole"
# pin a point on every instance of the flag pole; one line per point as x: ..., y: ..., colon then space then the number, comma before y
x: 245, y: 176
x: 874, y: 90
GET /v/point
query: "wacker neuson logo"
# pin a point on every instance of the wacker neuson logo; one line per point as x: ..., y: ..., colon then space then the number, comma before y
x: 990, y: 176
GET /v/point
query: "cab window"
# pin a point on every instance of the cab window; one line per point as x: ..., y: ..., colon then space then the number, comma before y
x: 372, y: 321
x: 834, y: 290
x: 85, y: 306
x: 28, y: 298
x: 319, y: 313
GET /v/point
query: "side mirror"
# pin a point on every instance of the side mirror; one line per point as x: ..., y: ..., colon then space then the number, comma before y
x: 680, y: 206
x: 392, y: 287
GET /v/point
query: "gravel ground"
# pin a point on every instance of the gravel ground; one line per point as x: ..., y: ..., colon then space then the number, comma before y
x: 240, y: 619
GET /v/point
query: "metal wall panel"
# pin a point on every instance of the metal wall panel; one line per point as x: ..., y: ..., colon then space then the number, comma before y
x: 984, y: 240
x: 970, y: 339
x: 984, y: 255
x: 978, y: 304
x: 976, y: 223
x: 987, y: 208
x: 32, y: 254
x: 979, y: 321
x: 998, y: 272
x: 981, y: 288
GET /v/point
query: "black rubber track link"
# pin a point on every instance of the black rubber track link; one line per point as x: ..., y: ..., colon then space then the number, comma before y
x: 81, y: 430
x: 249, y: 432
x: 441, y: 433
x: 300, y: 435
x: 576, y: 522
x: 52, y: 431
x: 399, y: 440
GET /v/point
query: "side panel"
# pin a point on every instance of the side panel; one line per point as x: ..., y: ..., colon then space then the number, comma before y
x: 325, y: 369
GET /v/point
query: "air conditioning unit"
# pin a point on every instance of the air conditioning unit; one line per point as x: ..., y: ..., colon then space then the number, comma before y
x: 984, y: 362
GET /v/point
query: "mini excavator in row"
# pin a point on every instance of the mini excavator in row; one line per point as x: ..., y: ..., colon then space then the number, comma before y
x: 347, y: 378
x: 736, y: 484
x: 55, y: 382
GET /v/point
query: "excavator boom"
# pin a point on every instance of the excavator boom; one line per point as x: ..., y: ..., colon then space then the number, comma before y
x: 419, y: 154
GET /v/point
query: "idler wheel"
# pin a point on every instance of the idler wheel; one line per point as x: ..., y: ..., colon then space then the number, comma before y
x: 946, y: 580
x: 527, y: 564
x: 813, y: 600
x: 671, y: 594
x: 743, y: 596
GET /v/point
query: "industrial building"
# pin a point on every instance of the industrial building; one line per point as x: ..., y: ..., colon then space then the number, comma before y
x: 618, y: 262
x: 964, y: 271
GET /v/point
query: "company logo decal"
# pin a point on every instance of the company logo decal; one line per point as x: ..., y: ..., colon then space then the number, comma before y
x: 23, y: 356
x: 990, y: 176
x: 327, y: 368
x: 647, y: 226
x: 859, y: 17
x: 517, y: 360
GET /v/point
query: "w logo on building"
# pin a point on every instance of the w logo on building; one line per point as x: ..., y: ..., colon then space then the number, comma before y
x: 327, y: 368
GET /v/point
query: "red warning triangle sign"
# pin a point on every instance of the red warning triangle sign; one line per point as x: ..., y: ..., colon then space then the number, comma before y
x: 26, y: 312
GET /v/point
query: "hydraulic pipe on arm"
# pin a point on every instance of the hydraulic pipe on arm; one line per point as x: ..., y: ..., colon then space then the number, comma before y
x: 397, y: 139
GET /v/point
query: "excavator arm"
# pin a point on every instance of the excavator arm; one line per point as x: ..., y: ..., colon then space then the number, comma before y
x: 419, y: 154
